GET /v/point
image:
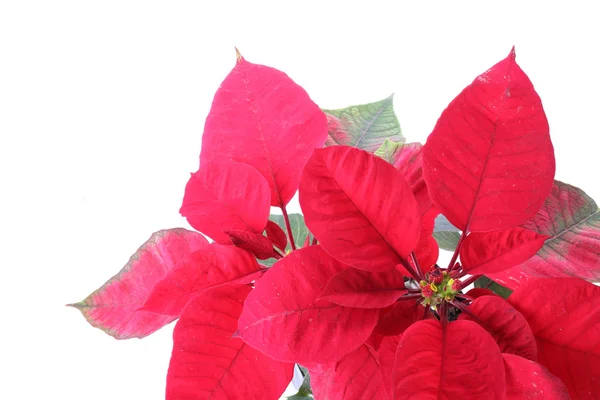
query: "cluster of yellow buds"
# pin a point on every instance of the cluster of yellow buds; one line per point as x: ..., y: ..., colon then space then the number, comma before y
x: 439, y: 287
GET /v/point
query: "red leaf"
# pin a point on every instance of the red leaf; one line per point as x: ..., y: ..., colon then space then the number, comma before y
x: 276, y: 235
x: 565, y: 319
x: 356, y: 376
x: 572, y: 221
x: 255, y: 243
x: 399, y: 317
x: 355, y: 288
x: 478, y: 292
x: 461, y: 361
x: 409, y: 161
x: 427, y: 250
x: 259, y: 116
x: 113, y: 307
x: 489, y: 162
x: 507, y: 325
x: 387, y: 360
x: 486, y: 253
x: 526, y: 379
x: 359, y: 207
x: 212, y: 266
x: 283, y: 319
x: 337, y: 133
x: 225, y: 196
x: 208, y: 363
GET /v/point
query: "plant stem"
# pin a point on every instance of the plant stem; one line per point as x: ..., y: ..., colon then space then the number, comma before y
x: 409, y: 297
x: 417, y: 265
x: 444, y: 313
x: 286, y: 218
x: 426, y: 312
x: 279, y: 255
x: 469, y: 280
x: 410, y: 269
x: 456, y: 251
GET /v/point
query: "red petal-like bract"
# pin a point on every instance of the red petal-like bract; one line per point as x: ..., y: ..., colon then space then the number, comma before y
x: 399, y: 317
x: 526, y: 379
x: 355, y: 377
x: 489, y: 252
x: 460, y: 361
x: 214, y: 265
x: 387, y: 360
x: 489, y: 163
x: 572, y: 221
x: 427, y: 250
x: 113, y: 307
x: 565, y: 319
x: 359, y: 207
x: 283, y: 318
x: 226, y: 196
x: 208, y: 363
x: 259, y: 116
x: 409, y: 161
x: 507, y: 325
x: 255, y: 243
x: 361, y: 289
x: 276, y: 235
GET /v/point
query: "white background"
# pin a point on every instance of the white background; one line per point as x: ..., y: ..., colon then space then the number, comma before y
x: 102, y: 106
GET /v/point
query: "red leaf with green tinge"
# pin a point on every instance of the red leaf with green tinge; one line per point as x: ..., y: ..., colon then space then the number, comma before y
x: 355, y: 377
x: 212, y: 266
x: 364, y: 126
x: 255, y: 243
x: 276, y: 235
x: 427, y: 250
x: 507, y: 325
x: 490, y: 252
x: 283, y: 318
x: 572, y: 221
x: 526, y: 379
x: 355, y: 288
x: 460, y: 361
x: 489, y: 162
x: 208, y: 363
x: 226, y: 196
x: 113, y: 307
x: 565, y: 319
x: 259, y: 116
x: 359, y: 207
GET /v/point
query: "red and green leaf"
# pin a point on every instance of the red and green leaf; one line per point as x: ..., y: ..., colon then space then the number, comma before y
x: 364, y: 126
x: 491, y: 252
x: 572, y: 221
x: 208, y: 363
x: 359, y: 207
x: 284, y: 319
x: 507, y: 325
x: 299, y: 231
x: 355, y: 377
x: 458, y: 361
x: 214, y: 265
x: 114, y: 307
x: 526, y: 379
x: 226, y: 196
x: 489, y: 162
x: 260, y: 117
x: 355, y: 288
x: 565, y: 319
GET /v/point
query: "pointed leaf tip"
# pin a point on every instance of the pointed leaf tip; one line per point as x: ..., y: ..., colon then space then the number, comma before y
x: 512, y: 55
x: 238, y: 56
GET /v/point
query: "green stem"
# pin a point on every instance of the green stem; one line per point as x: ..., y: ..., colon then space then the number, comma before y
x: 286, y: 218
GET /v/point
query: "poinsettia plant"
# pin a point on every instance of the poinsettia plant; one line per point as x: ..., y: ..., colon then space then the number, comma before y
x: 351, y: 289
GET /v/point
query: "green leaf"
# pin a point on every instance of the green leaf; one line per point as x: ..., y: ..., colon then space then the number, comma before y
x: 447, y: 240
x: 388, y: 150
x: 299, y: 230
x: 487, y: 283
x: 365, y: 126
x: 305, y: 391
